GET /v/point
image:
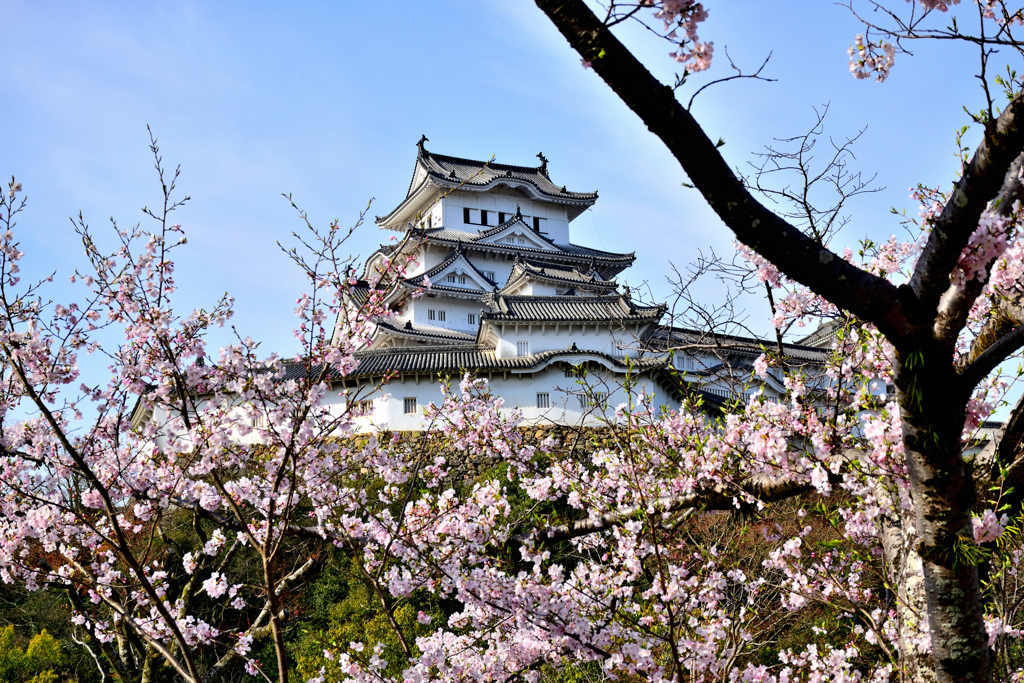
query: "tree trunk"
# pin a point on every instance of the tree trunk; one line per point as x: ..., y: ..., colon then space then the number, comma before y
x: 905, y: 574
x: 932, y: 409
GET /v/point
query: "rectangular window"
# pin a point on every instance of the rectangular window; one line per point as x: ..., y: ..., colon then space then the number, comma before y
x: 431, y: 314
x: 489, y: 274
x: 451, y: 277
x: 543, y: 400
x: 598, y: 398
x: 483, y: 217
x: 465, y: 216
x: 536, y: 223
x: 440, y: 316
x: 360, y: 408
x: 410, y: 405
x: 501, y: 217
x: 522, y: 241
x: 523, y: 348
x: 471, y: 318
x: 510, y: 240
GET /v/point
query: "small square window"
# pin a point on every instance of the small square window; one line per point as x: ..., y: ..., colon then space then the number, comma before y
x: 543, y: 400
x: 471, y: 318
x: 431, y: 314
x: 523, y: 348
x: 440, y: 316
x: 410, y: 406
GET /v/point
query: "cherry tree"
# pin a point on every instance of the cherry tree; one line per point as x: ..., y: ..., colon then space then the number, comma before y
x: 950, y: 321
x: 840, y: 534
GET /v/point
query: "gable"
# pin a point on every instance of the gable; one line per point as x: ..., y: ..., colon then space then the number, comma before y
x: 460, y: 274
x: 517, y: 235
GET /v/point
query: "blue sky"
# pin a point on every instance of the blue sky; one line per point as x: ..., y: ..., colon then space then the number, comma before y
x: 326, y: 101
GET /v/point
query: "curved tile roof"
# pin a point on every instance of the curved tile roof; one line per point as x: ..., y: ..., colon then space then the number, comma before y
x: 473, y: 238
x: 569, y: 309
x: 402, y: 326
x: 448, y: 171
x: 450, y: 359
x: 664, y: 337
x: 455, y: 255
x: 557, y: 273
x: 471, y: 172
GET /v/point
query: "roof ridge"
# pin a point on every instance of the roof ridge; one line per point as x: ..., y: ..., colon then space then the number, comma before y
x: 488, y: 164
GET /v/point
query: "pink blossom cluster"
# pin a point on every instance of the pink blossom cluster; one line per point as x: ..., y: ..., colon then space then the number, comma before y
x: 867, y: 58
x: 989, y: 527
x: 684, y: 16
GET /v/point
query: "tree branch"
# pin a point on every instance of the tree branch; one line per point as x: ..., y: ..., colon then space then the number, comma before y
x: 991, y: 357
x: 794, y: 253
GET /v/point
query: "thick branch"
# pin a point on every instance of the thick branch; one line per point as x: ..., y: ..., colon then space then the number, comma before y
x: 990, y: 358
x: 979, y: 183
x: 955, y: 304
x: 794, y: 253
x: 718, y: 497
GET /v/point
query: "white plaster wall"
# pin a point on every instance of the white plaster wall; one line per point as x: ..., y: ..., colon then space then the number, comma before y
x: 520, y: 392
x: 551, y: 337
x: 452, y: 216
x: 456, y: 312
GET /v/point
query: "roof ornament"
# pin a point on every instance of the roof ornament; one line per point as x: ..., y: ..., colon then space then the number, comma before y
x: 518, y: 215
x: 543, y: 163
x: 419, y: 144
x: 408, y: 324
x: 508, y: 173
x: 452, y: 174
x: 571, y: 291
x: 573, y: 347
x: 564, y: 191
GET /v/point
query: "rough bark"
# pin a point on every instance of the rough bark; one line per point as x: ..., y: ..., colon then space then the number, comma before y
x: 905, y: 575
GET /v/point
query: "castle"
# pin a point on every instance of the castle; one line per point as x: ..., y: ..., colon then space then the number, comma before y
x: 495, y: 286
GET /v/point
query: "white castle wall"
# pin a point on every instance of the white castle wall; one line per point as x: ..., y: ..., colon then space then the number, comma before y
x: 456, y: 312
x: 519, y: 392
x: 450, y: 210
x: 552, y: 337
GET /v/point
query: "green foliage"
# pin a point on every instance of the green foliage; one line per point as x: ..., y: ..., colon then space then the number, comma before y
x: 35, y: 664
x: 357, y: 617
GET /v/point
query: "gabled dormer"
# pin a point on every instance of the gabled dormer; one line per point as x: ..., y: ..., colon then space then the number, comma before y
x: 455, y: 275
x: 534, y: 278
